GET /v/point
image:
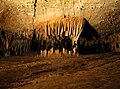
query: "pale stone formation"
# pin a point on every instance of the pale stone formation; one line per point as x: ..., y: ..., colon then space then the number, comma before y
x: 50, y: 52
x: 43, y: 53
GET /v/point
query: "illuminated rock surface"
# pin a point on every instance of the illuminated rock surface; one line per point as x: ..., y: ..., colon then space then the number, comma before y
x: 17, y: 14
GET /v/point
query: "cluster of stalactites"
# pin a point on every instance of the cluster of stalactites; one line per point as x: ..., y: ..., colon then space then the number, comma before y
x: 64, y: 29
x: 70, y: 26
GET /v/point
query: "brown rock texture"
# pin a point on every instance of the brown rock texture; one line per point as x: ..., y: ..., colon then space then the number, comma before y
x: 18, y: 14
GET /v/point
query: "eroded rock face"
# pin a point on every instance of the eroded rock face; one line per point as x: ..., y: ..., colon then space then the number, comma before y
x: 17, y: 15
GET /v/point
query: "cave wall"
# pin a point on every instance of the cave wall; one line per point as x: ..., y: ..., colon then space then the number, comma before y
x: 103, y: 15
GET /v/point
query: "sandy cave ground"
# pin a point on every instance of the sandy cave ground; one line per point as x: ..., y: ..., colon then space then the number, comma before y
x: 93, y: 71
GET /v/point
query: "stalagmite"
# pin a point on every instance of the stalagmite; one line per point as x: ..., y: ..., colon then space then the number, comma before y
x: 64, y: 51
x: 69, y: 52
x: 41, y: 53
x: 51, y: 50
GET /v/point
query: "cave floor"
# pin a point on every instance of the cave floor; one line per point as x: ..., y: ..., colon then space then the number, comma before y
x: 93, y: 71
